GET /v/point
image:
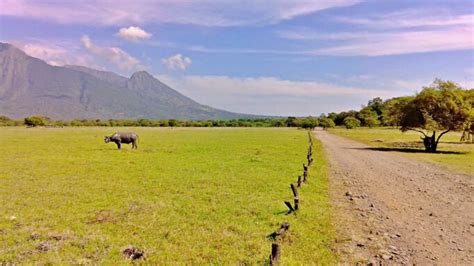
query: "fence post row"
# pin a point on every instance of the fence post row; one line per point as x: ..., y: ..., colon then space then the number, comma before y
x: 276, y: 249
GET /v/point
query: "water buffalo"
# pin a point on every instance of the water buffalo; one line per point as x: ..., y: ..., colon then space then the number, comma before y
x: 123, y: 137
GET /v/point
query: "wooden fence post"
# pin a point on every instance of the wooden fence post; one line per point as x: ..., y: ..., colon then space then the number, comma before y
x: 275, y: 256
x: 288, y: 204
x: 295, y: 196
x: 283, y: 228
x: 305, y: 173
x: 299, y: 181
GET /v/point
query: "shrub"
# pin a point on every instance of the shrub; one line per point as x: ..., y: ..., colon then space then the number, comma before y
x: 326, y: 122
x: 351, y: 122
x: 6, y: 121
x: 35, y: 121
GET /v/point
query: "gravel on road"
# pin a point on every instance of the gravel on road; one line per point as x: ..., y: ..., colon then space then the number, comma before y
x: 391, y: 209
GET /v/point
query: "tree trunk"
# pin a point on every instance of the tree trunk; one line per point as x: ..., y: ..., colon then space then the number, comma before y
x: 430, y: 142
x: 434, y: 143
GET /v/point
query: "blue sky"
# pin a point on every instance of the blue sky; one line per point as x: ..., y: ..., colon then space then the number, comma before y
x: 266, y: 57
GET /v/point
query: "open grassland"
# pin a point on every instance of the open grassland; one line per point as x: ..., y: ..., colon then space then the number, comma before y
x: 452, y: 154
x: 185, y: 196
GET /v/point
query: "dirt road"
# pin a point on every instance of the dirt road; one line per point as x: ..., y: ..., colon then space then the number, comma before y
x: 391, y: 209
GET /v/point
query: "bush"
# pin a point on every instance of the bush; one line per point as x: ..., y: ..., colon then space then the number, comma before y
x: 35, y: 121
x: 6, y: 121
x: 351, y: 122
x: 326, y: 122
x: 309, y: 123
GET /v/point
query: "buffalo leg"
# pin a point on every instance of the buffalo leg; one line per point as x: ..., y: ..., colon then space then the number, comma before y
x: 119, y: 145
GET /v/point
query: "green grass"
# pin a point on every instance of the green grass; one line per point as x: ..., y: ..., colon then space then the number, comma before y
x: 185, y: 196
x: 462, y: 160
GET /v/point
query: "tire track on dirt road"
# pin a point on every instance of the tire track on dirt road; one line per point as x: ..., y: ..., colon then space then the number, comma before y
x: 389, y: 208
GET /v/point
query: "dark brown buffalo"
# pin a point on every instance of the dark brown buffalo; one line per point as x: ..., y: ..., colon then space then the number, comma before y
x: 123, y: 137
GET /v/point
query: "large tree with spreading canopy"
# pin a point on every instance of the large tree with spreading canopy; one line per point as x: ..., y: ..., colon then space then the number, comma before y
x: 436, y: 110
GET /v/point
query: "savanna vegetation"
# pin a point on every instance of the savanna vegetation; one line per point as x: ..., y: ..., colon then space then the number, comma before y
x: 38, y: 121
x: 433, y: 112
x: 452, y: 153
x: 186, y: 196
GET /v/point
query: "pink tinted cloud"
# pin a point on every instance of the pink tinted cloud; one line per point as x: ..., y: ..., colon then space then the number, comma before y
x: 114, y: 55
x: 206, y: 13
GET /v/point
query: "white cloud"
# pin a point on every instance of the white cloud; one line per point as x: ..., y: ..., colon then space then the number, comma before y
x: 114, y: 55
x: 395, y: 43
x: 58, y: 54
x: 410, y: 18
x: 196, y: 12
x: 403, y: 32
x: 177, y: 62
x: 467, y: 84
x: 271, y: 95
x: 369, y: 43
x: 133, y: 33
x: 310, y: 34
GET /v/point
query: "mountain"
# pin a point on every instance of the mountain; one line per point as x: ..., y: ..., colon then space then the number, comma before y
x: 30, y: 86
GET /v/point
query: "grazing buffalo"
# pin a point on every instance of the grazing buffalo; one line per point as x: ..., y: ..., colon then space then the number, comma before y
x: 123, y: 137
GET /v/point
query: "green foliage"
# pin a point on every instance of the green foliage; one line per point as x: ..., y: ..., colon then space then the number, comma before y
x: 35, y: 121
x: 443, y: 106
x: 309, y: 123
x: 326, y: 123
x: 392, y: 138
x: 351, y: 122
x: 290, y: 121
x: 172, y: 122
x: 6, y: 121
x: 377, y: 105
x: 259, y: 122
x: 393, y: 110
x: 339, y: 118
x: 368, y: 117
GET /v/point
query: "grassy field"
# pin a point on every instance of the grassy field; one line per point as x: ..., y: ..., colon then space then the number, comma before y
x: 185, y: 196
x: 453, y: 154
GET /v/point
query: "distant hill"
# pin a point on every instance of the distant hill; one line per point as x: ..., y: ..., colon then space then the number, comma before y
x: 29, y: 86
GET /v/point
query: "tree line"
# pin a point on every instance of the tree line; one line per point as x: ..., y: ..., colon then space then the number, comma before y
x: 43, y: 121
x: 436, y: 110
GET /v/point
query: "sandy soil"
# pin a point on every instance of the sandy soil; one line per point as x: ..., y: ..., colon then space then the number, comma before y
x: 390, y: 209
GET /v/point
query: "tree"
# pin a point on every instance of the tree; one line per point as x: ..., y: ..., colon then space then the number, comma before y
x: 339, y: 120
x: 368, y: 117
x: 34, y: 121
x: 376, y: 105
x: 326, y: 122
x: 172, y: 122
x: 468, y: 131
x: 290, y: 121
x: 392, y: 114
x: 351, y: 122
x: 309, y: 123
x: 332, y: 116
x: 442, y: 107
x: 6, y: 121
